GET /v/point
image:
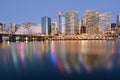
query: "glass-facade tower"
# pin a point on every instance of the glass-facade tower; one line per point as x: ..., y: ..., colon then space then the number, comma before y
x: 118, y: 20
x: 46, y: 25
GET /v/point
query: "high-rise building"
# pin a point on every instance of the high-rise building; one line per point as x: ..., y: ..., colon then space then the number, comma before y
x: 105, y: 22
x: 71, y: 22
x: 46, y: 25
x: 80, y: 24
x: 12, y: 28
x: 52, y: 28
x: 118, y: 20
x: 28, y: 24
x: 2, y: 27
x: 91, y: 19
x: 113, y: 26
x: 83, y: 30
x: 61, y: 23
x: 56, y: 26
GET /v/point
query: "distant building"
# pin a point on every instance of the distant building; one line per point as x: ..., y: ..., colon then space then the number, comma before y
x: 71, y: 20
x: 91, y: 20
x: 40, y: 28
x: 79, y: 26
x: 28, y: 24
x: 118, y: 20
x: 2, y: 27
x: 12, y: 28
x: 113, y: 26
x: 83, y: 30
x: 61, y: 23
x: 105, y: 22
x: 53, y: 29
x: 56, y: 26
x: 46, y: 25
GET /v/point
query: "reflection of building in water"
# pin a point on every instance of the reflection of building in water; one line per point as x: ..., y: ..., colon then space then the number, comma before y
x: 70, y: 58
x: 21, y: 53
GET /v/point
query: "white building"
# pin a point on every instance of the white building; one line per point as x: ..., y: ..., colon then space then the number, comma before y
x: 105, y: 22
x: 91, y: 19
x: 56, y: 24
x: 71, y: 20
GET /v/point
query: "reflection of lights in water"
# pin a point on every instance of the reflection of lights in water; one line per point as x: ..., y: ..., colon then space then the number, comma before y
x: 8, y: 43
x: 47, y: 46
x: 21, y: 49
x: 60, y: 66
x: 66, y: 66
x: 17, y: 41
x: 26, y: 41
x: 42, y: 46
x: 84, y: 46
x: 30, y: 52
x: 53, y: 56
x: 4, y: 44
x: 14, y: 56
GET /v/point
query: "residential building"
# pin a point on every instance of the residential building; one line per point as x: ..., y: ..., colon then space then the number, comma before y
x: 71, y: 23
x: 91, y: 19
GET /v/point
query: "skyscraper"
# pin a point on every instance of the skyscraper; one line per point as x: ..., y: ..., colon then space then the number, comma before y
x: 71, y: 22
x: 91, y: 19
x: 12, y: 28
x: 118, y: 20
x: 46, y: 25
x: 56, y: 26
x: 61, y: 23
x: 2, y: 27
x: 80, y: 24
x: 105, y: 22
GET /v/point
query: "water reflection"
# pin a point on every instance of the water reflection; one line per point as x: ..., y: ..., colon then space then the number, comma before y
x: 64, y: 56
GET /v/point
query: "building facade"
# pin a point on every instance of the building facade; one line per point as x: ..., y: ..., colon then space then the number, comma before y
x: 12, y: 28
x: 55, y: 23
x: 118, y: 20
x: 91, y: 19
x: 2, y: 27
x: 71, y: 23
x: 113, y: 26
x: 105, y: 22
x: 46, y: 25
x: 61, y: 23
x: 80, y: 24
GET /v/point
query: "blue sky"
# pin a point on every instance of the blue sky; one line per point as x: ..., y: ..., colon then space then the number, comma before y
x: 21, y: 11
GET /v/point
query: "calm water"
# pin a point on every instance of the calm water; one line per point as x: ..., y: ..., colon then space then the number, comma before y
x: 60, y: 60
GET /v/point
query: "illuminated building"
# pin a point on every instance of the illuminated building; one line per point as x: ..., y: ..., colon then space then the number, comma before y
x: 118, y: 20
x: 105, y: 22
x: 91, y: 19
x: 12, y: 28
x: 61, y: 23
x: 80, y: 24
x: 2, y: 27
x: 55, y: 23
x: 71, y: 22
x: 46, y: 25
x: 52, y: 29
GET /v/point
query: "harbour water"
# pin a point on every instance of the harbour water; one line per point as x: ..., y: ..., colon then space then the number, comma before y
x: 60, y: 60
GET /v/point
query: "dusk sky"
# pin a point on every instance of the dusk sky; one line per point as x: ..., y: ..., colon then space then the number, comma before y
x: 21, y: 11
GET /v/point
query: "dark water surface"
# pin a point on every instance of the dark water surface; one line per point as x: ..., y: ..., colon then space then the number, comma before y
x: 60, y: 60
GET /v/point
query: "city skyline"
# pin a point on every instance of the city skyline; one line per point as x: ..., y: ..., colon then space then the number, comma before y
x: 32, y: 11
